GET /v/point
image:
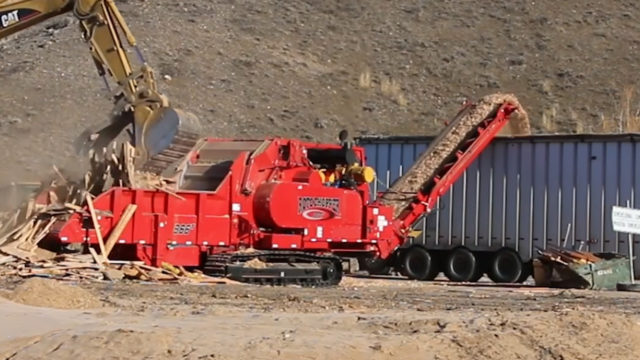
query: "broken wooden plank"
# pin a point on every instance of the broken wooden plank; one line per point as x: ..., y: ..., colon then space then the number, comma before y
x: 59, y: 173
x: 21, y: 231
x: 96, y: 258
x: 53, y: 198
x: 142, y: 272
x: 9, y: 228
x: 30, y: 208
x: 96, y: 225
x: 77, y: 258
x: 164, y: 189
x: 129, y: 155
x: 11, y: 249
x: 119, y: 228
x: 7, y: 259
x: 161, y: 270
x: 42, y: 234
x: 24, y: 242
x: 73, y: 207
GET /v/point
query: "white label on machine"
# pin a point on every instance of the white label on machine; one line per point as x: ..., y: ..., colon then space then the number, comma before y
x: 625, y: 220
x: 319, y: 232
x: 235, y: 207
x: 382, y: 222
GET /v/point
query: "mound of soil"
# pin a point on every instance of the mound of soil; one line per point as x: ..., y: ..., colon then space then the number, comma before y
x: 53, y: 294
x: 365, y: 319
x: 99, y: 344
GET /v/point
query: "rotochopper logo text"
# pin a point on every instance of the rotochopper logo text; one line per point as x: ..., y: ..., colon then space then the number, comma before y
x: 318, y: 208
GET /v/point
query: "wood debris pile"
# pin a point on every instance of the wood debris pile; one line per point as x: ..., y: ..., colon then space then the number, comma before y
x: 566, y: 257
x: 23, y: 230
x: 115, y: 166
x: 78, y: 267
x: 564, y: 268
x: 58, y: 197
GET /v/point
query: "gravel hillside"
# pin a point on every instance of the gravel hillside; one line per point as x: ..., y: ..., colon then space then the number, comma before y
x: 310, y: 68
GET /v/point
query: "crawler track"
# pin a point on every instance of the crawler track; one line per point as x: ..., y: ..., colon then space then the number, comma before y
x: 280, y: 268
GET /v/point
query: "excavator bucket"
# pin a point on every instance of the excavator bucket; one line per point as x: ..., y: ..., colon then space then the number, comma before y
x: 157, y: 132
x: 165, y: 138
x: 161, y: 139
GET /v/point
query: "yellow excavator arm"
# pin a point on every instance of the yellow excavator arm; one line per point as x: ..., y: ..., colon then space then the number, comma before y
x: 138, y: 102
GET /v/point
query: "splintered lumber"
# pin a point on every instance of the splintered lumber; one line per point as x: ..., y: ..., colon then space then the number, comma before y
x: 120, y: 226
x: 12, y: 249
x: 34, y: 218
x: 96, y: 257
x: 165, y: 190
x: 57, y: 197
x: 6, y: 259
x: 39, y: 231
x: 7, y: 227
x: 403, y: 191
x: 129, y: 163
x: 74, y: 207
x: 96, y: 225
x: 76, y: 267
x: 565, y: 256
x: 143, y: 275
x: 59, y: 173
x: 42, y: 233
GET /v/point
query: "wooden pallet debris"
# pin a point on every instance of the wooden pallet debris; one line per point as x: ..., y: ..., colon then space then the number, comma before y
x: 21, y: 235
x: 565, y: 256
x: 115, y: 166
x: 82, y: 267
x: 57, y: 198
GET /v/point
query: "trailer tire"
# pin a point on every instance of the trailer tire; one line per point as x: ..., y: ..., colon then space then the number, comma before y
x: 481, y: 267
x: 476, y: 276
x: 374, y: 265
x: 461, y: 265
x: 635, y: 287
x: 506, y: 267
x: 527, y: 270
x: 418, y: 264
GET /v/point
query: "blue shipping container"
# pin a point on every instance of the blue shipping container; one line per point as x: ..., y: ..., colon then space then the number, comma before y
x: 526, y: 192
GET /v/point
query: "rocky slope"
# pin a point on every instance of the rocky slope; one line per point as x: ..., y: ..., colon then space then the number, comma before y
x: 310, y: 68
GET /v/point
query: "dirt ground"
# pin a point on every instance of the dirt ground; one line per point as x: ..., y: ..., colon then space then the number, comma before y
x: 311, y: 68
x: 360, y: 319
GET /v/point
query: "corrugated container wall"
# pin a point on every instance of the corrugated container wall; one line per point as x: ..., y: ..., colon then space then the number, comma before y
x: 526, y: 193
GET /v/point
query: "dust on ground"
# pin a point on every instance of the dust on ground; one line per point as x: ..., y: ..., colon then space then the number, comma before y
x: 52, y: 294
x: 360, y: 319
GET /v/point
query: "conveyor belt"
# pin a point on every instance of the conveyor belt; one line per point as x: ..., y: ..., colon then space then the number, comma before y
x: 442, y: 152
